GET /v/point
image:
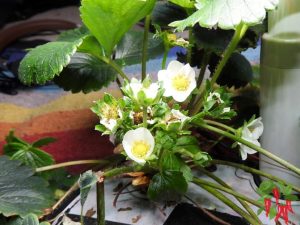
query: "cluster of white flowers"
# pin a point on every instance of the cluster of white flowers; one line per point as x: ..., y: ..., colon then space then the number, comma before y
x: 178, y: 81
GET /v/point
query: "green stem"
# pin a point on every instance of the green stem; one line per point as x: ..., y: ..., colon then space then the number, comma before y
x: 220, y: 181
x: 100, y: 203
x: 211, y: 122
x: 72, y: 163
x: 120, y: 170
x: 253, y: 146
x: 255, y: 171
x: 115, y: 66
x: 164, y: 60
x: 227, y: 190
x: 204, y: 64
x: 190, y: 48
x: 229, y: 203
x: 238, y: 35
x: 145, y: 46
x: 145, y: 115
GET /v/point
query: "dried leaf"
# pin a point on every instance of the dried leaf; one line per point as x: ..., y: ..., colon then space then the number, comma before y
x: 135, y: 174
x: 118, y: 149
x: 141, y: 181
x: 136, y: 219
x: 124, y: 209
x: 90, y: 212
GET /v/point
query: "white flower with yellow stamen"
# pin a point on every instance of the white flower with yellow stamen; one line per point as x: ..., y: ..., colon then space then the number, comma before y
x: 109, y: 116
x: 138, y: 144
x: 178, y: 80
x: 251, y: 133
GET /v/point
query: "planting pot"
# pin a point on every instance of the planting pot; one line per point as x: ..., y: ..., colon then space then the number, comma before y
x: 280, y: 89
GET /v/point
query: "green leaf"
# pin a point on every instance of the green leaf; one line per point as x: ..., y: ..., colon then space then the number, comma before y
x: 172, y: 162
x: 91, y: 46
x: 227, y: 14
x: 27, y: 153
x: 33, y: 157
x: 46, y: 61
x: 266, y: 186
x: 30, y: 219
x: 109, y: 20
x: 236, y: 73
x: 86, y: 181
x: 12, y: 138
x: 186, y: 140
x: 202, y: 159
x: 167, y: 185
x: 291, y: 197
x: 183, y: 3
x: 43, y: 141
x: 85, y: 73
x: 129, y: 50
x: 273, y: 212
x: 164, y: 13
x: 260, y: 210
x: 73, y: 35
x: 21, y: 193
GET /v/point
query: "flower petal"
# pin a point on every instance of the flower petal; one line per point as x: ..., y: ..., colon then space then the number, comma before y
x: 174, y: 66
x: 180, y: 96
x: 162, y: 75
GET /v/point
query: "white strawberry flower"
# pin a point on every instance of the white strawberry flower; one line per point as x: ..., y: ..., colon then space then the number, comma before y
x: 109, y: 116
x: 178, y: 80
x: 251, y: 132
x: 136, y: 86
x: 138, y: 144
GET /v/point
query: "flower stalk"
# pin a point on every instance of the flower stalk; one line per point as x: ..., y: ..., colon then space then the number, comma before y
x: 229, y: 203
x: 238, y: 35
x: 100, y: 203
x: 114, y: 65
x: 72, y: 163
x: 253, y: 146
x: 221, y: 182
x: 145, y: 46
x: 255, y: 171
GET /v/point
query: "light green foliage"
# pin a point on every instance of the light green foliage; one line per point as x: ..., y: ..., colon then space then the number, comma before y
x: 45, y: 62
x: 21, y: 193
x: 29, y: 154
x: 227, y: 14
x: 109, y: 20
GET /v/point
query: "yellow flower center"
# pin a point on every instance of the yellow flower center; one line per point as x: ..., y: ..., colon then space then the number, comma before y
x: 110, y: 112
x: 180, y: 82
x: 140, y: 149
